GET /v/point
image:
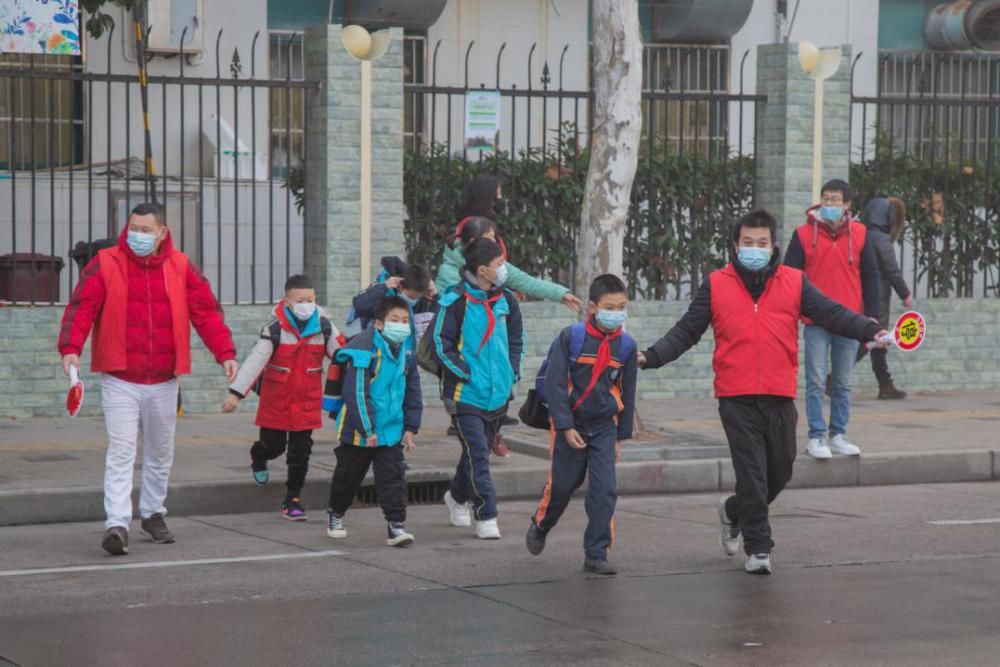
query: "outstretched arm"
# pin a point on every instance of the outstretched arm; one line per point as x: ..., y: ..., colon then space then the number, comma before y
x: 685, y: 334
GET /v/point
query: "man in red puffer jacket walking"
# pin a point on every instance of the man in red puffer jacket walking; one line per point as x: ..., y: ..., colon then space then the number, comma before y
x: 141, y: 298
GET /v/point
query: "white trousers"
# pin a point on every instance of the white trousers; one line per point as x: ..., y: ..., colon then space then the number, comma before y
x: 131, y: 409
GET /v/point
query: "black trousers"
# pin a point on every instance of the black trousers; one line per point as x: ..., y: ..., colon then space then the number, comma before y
x: 272, y: 444
x: 880, y: 364
x: 390, y: 480
x: 761, y: 434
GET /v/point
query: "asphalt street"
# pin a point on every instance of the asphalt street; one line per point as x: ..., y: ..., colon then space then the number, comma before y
x: 904, y: 575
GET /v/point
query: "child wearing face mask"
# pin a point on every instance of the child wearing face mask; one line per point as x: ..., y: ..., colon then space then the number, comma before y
x: 479, y: 340
x: 380, y: 415
x: 411, y: 282
x: 590, y: 418
x: 286, y: 368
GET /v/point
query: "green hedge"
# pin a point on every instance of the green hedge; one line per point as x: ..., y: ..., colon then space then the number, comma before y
x: 965, y: 246
x: 677, y: 230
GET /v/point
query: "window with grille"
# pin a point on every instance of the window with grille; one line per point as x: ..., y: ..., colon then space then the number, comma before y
x: 287, y: 61
x: 968, y: 131
x: 41, y: 120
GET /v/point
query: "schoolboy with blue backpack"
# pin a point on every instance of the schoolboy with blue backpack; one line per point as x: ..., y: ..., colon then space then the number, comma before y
x: 477, y: 340
x: 379, y: 416
x: 587, y: 385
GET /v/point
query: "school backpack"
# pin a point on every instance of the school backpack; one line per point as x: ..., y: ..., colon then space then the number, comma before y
x: 427, y: 357
x: 274, y: 332
x: 535, y: 411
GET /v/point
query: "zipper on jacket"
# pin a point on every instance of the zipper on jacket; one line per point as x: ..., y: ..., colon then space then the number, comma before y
x: 149, y: 310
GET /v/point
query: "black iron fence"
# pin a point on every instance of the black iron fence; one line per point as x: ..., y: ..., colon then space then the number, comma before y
x: 695, y: 176
x: 71, y: 164
x: 931, y: 137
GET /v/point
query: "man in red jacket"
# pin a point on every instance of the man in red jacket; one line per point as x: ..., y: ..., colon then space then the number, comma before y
x: 754, y: 305
x: 837, y: 256
x: 141, y: 298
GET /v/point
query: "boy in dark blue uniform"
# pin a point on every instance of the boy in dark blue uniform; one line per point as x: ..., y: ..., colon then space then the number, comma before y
x: 381, y: 413
x: 478, y: 340
x: 591, y: 400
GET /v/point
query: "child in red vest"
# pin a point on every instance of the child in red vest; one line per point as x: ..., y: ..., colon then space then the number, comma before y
x: 591, y: 400
x: 286, y: 368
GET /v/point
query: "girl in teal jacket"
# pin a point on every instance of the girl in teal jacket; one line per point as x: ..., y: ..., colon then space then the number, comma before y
x: 452, y: 261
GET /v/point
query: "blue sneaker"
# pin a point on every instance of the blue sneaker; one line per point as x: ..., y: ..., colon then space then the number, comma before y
x: 260, y: 473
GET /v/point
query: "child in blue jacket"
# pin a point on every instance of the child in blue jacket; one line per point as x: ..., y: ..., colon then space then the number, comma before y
x: 380, y: 415
x: 590, y: 388
x: 478, y: 339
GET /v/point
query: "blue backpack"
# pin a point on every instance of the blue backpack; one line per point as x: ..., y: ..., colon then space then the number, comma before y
x: 535, y: 411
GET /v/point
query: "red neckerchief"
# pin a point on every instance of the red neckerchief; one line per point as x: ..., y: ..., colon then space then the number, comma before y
x: 603, y: 357
x: 491, y: 319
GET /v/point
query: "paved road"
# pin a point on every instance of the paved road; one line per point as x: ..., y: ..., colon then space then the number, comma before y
x: 878, y: 575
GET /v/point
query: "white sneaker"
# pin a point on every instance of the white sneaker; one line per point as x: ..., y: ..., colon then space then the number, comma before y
x: 839, y: 444
x: 730, y: 536
x: 818, y: 450
x: 336, y: 528
x: 488, y: 530
x: 758, y: 564
x: 458, y: 514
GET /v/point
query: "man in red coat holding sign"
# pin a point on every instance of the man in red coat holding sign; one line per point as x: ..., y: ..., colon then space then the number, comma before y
x: 141, y: 298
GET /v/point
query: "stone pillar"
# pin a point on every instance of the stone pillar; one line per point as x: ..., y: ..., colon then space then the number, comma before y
x: 333, y: 163
x: 785, y: 131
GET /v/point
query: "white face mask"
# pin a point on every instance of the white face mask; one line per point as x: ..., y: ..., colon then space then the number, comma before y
x: 303, y: 311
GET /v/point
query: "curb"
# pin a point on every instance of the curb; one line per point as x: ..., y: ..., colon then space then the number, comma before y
x: 63, y: 505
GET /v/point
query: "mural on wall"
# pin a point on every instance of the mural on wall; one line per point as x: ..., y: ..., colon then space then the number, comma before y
x: 40, y: 27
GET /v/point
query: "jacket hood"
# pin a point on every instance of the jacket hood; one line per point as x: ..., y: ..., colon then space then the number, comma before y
x: 812, y: 218
x: 877, y: 214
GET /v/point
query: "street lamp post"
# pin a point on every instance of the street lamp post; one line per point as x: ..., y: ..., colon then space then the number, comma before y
x: 366, y: 47
x: 820, y: 64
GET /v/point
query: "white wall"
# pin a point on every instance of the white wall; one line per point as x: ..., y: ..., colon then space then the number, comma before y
x: 175, y: 127
x: 521, y: 24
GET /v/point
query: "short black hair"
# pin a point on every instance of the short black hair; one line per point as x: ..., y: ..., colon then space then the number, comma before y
x: 837, y: 185
x: 606, y: 284
x: 480, y: 253
x: 298, y: 281
x: 389, y: 304
x: 416, y: 277
x: 153, y: 209
x: 756, y: 219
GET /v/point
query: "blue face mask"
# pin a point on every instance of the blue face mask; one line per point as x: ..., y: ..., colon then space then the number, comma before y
x: 611, y: 319
x: 754, y: 259
x: 410, y: 302
x: 501, y: 276
x: 142, y: 244
x: 831, y: 213
x: 395, y: 332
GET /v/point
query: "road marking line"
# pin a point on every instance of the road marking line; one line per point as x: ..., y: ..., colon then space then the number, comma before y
x: 168, y: 563
x: 963, y: 522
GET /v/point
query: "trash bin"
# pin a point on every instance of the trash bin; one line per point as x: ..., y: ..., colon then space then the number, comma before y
x: 84, y: 251
x: 30, y: 277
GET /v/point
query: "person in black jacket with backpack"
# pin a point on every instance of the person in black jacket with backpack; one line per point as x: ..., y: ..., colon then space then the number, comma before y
x: 754, y: 305
x: 884, y: 218
x: 589, y: 387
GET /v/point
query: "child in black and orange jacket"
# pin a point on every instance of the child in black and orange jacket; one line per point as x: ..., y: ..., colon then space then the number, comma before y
x: 590, y: 390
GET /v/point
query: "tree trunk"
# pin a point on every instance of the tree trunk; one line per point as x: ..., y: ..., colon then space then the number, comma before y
x: 614, y: 140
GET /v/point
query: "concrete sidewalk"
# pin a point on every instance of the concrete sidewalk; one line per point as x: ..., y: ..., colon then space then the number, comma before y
x: 51, y: 469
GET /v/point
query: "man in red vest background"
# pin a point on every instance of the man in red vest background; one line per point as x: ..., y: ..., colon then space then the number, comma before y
x: 834, y: 252
x: 754, y: 305
x: 141, y: 298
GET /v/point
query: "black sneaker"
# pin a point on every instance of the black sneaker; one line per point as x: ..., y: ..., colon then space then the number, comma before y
x: 115, y: 541
x: 155, y: 528
x: 535, y: 539
x: 397, y: 535
x: 293, y: 510
x: 602, y: 566
x: 452, y: 430
x: 507, y: 420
